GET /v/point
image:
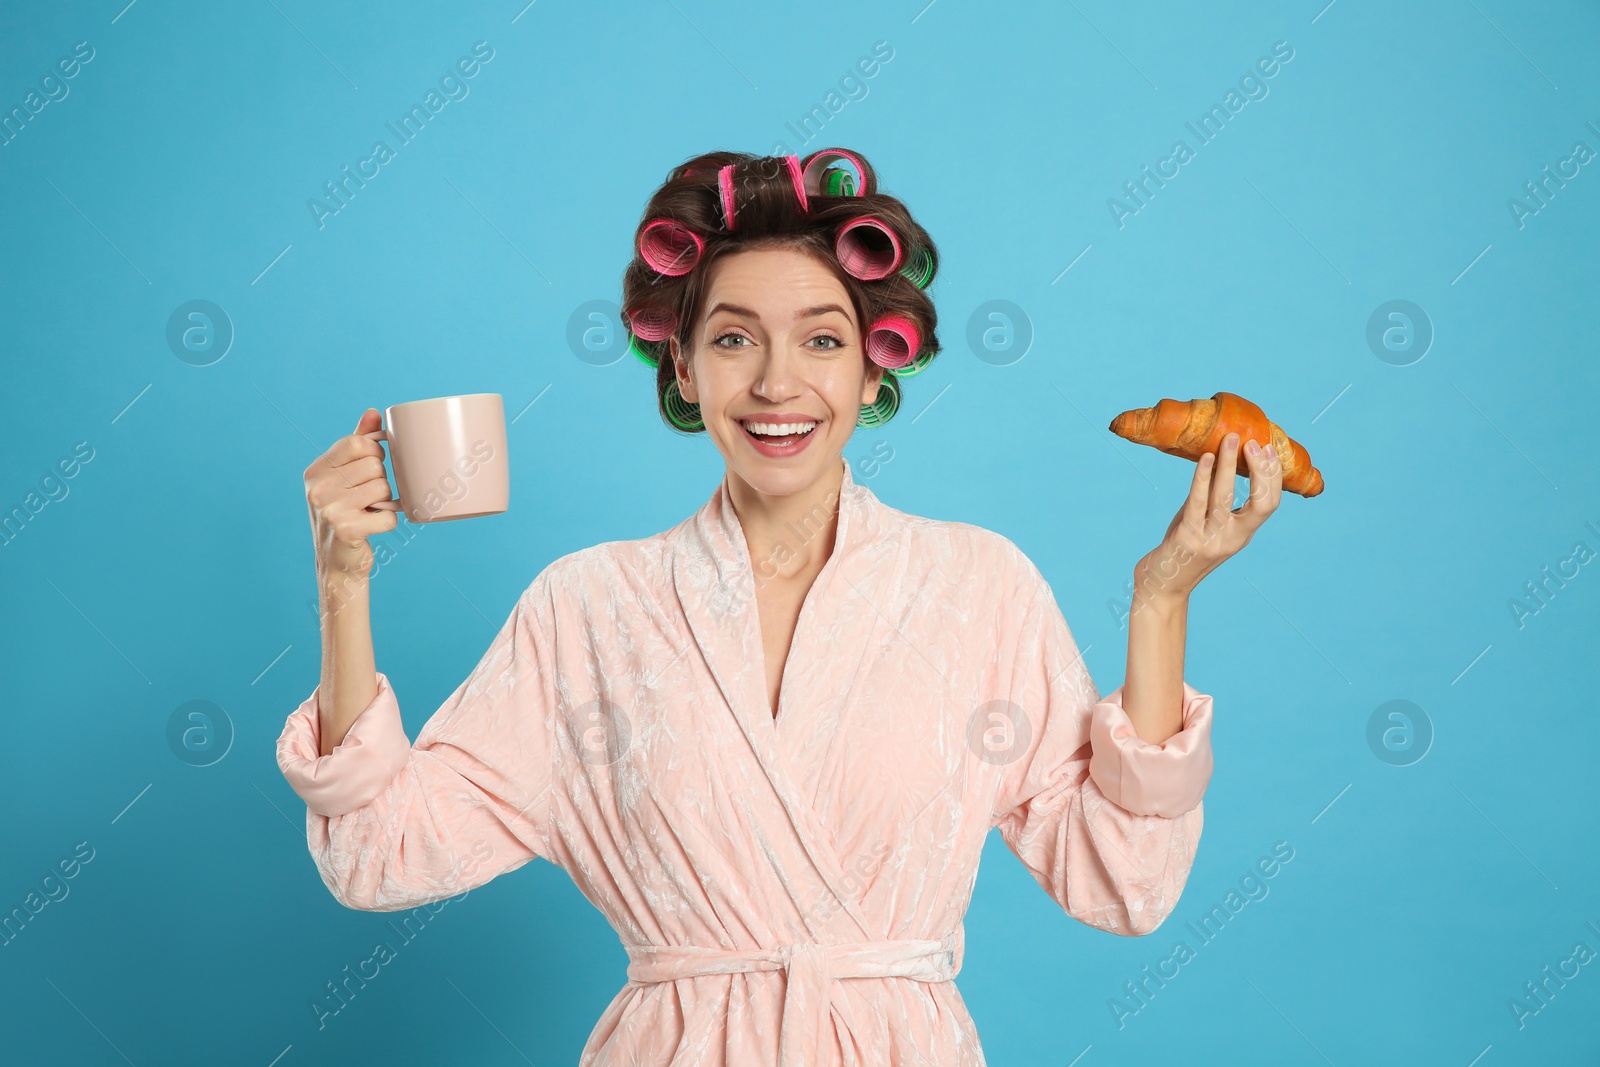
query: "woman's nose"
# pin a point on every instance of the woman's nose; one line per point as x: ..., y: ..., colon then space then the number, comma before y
x: 778, y: 376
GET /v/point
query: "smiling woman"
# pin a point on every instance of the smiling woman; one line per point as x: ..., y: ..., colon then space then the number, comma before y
x: 825, y: 209
x: 770, y: 743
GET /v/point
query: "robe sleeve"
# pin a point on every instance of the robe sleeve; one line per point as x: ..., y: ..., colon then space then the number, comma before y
x: 1106, y: 822
x: 393, y: 825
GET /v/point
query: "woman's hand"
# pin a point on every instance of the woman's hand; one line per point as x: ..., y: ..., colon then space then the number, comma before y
x: 1207, y: 529
x: 341, y: 485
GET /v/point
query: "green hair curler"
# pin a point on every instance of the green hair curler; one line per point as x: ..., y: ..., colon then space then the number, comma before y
x: 915, y: 367
x: 684, y: 415
x: 920, y: 267
x: 641, y: 348
x: 883, y: 408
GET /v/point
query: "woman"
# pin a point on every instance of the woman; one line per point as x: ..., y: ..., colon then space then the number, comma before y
x: 769, y: 742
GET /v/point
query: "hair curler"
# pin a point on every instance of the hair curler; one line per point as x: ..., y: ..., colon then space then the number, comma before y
x: 730, y: 199
x: 798, y: 178
x: 920, y: 266
x: 867, y: 248
x: 684, y: 415
x: 893, y: 341
x: 822, y: 181
x: 883, y: 408
x: 644, y: 350
x: 670, y: 247
x: 725, y: 190
x: 652, y: 323
x: 914, y: 368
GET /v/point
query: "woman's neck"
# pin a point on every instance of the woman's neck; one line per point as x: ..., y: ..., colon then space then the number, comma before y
x: 789, y: 536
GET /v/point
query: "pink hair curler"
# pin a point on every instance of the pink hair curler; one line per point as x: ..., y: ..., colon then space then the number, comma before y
x: 797, y: 175
x: 893, y: 342
x: 730, y: 201
x: 725, y: 185
x: 670, y: 247
x: 867, y: 248
x: 816, y: 167
x: 652, y: 324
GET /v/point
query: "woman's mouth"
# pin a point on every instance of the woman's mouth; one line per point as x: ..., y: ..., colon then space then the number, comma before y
x: 778, y: 439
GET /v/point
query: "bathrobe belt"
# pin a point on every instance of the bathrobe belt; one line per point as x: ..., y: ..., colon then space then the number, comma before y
x: 810, y: 970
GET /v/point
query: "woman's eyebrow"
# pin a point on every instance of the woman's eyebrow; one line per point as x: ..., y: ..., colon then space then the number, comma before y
x: 803, y: 313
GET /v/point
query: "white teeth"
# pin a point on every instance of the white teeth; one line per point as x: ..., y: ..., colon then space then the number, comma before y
x: 773, y: 429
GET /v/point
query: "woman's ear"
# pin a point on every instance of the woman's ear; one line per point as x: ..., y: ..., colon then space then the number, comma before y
x: 686, y: 386
x: 869, y: 389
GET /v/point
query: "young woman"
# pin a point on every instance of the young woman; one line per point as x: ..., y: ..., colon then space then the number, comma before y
x: 769, y: 742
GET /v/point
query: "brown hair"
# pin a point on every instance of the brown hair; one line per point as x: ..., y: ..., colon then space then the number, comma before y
x: 768, y: 213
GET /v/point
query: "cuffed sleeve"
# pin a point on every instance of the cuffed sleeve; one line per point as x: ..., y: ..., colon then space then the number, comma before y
x: 393, y: 825
x: 371, y: 754
x: 1166, y: 779
x: 1107, y: 823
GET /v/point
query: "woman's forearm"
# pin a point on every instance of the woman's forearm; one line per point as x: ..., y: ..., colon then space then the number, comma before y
x: 349, y: 674
x: 1152, y: 695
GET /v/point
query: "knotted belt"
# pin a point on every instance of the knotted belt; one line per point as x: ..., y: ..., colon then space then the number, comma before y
x: 809, y: 971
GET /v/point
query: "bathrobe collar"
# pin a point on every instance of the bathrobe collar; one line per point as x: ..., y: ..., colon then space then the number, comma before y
x: 715, y: 582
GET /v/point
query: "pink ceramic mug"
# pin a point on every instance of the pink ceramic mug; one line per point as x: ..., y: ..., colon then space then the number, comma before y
x: 449, y: 457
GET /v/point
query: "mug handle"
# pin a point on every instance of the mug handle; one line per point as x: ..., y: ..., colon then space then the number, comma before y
x: 383, y: 505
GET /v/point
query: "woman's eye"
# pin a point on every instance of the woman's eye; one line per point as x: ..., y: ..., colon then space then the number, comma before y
x: 733, y: 340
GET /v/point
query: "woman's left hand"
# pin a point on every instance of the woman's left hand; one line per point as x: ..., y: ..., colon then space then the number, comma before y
x: 1207, y: 529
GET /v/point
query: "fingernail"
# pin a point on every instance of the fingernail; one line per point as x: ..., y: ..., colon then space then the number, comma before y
x: 1253, y: 448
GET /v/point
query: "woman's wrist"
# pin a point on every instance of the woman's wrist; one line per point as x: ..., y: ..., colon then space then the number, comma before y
x: 338, y: 588
x: 1155, y: 585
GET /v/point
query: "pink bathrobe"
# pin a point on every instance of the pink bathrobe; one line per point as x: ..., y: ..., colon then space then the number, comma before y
x: 789, y: 891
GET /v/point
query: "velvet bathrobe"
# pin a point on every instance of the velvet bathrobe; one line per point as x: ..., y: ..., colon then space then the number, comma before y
x: 790, y: 889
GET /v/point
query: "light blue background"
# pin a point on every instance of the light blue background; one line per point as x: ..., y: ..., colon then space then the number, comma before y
x: 178, y: 567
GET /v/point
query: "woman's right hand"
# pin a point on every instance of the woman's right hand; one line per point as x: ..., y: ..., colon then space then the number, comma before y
x: 341, y: 485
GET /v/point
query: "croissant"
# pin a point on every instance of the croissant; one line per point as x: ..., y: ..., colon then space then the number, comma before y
x: 1191, y: 428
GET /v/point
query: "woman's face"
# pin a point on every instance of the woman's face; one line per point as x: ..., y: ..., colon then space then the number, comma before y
x: 777, y: 342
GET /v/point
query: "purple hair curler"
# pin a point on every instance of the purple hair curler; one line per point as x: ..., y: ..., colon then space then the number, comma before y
x: 670, y: 247
x: 868, y: 248
x: 652, y: 324
x: 893, y: 342
x: 816, y: 167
